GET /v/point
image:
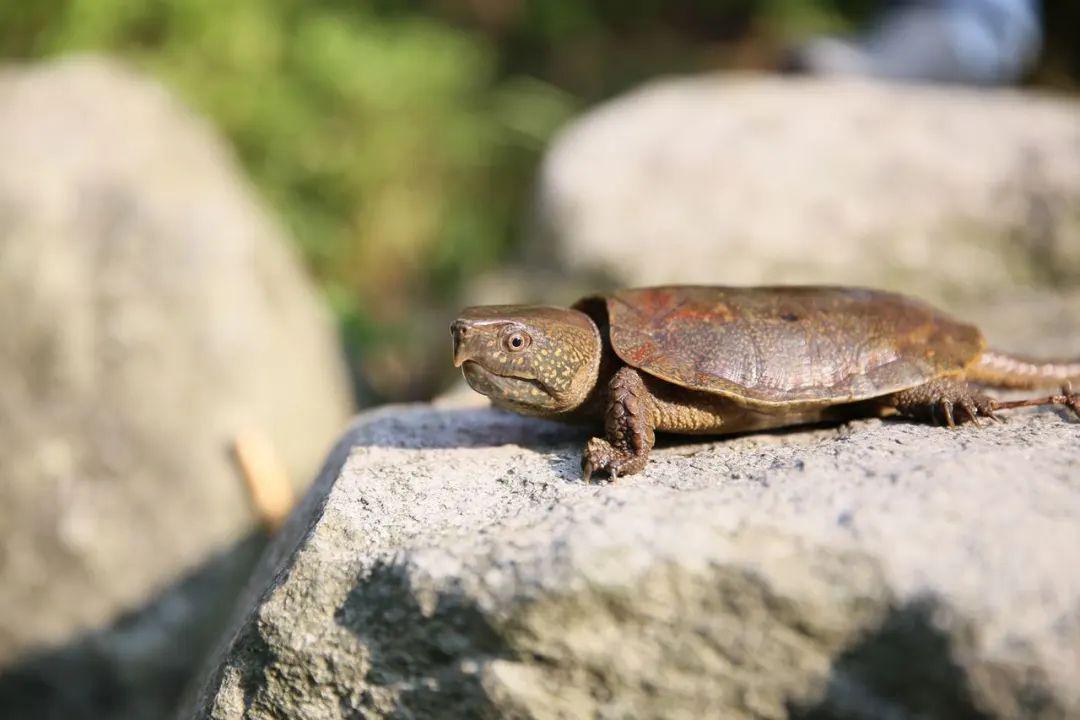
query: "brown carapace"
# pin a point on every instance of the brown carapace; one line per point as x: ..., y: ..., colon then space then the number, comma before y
x: 715, y: 360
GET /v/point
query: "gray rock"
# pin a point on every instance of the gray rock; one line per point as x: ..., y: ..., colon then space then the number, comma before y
x: 449, y: 562
x: 948, y: 193
x: 149, y: 312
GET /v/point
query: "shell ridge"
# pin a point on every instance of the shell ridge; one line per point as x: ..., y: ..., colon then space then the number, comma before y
x: 779, y: 345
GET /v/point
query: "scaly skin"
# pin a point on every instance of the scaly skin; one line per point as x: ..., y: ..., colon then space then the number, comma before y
x: 629, y: 424
x: 560, y: 363
x: 1007, y: 371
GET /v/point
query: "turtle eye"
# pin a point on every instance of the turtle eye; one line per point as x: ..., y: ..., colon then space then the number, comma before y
x: 516, y: 341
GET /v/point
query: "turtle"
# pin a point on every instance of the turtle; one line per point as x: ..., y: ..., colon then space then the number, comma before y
x: 695, y: 359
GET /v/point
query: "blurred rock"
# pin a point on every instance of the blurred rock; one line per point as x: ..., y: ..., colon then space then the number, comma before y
x: 1021, y: 319
x: 149, y: 311
x: 454, y: 565
x: 948, y: 193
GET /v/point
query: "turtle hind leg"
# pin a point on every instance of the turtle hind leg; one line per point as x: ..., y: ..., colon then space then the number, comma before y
x: 1067, y: 397
x: 944, y: 401
x: 628, y: 426
x: 949, y: 401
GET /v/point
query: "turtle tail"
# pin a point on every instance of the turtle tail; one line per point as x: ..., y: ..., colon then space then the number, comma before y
x: 1002, y: 370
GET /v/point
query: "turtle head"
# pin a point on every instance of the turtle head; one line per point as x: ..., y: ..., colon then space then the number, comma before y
x: 531, y: 359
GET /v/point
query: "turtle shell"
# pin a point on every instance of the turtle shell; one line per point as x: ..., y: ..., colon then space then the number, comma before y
x: 787, y: 345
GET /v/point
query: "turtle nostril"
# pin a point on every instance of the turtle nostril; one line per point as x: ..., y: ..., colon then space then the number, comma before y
x: 458, y: 331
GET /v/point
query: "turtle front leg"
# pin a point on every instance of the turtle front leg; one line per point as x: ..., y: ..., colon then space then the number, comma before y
x: 628, y: 426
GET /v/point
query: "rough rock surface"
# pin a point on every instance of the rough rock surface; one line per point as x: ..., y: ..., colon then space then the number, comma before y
x: 149, y: 311
x: 449, y: 562
x: 943, y: 192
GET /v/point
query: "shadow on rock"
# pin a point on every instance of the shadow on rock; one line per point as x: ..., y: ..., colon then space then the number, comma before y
x: 904, y: 668
x: 421, y: 426
x: 427, y: 661
x: 424, y: 427
x: 138, y: 666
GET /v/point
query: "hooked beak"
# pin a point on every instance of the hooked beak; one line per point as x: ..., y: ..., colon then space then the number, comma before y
x: 458, y: 331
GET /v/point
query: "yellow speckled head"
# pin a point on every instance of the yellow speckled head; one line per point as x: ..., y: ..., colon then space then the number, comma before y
x: 532, y: 359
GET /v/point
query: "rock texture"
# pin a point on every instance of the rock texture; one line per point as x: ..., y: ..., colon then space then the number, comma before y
x: 449, y: 562
x: 943, y: 192
x: 149, y: 311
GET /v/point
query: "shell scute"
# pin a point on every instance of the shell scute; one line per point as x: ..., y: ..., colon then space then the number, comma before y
x: 781, y: 345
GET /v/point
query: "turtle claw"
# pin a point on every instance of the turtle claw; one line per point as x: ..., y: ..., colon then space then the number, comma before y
x: 597, y: 457
x: 971, y: 410
x: 946, y: 407
x: 601, y: 457
x: 1072, y: 399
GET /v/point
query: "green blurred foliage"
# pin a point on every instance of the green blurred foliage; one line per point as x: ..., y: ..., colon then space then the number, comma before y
x: 386, y: 138
x: 399, y: 139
